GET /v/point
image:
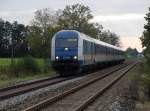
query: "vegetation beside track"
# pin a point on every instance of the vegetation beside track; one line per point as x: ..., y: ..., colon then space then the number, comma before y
x: 140, y: 74
x: 138, y: 93
x: 144, y: 95
x: 23, y: 69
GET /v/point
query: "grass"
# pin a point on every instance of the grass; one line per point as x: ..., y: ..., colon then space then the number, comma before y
x: 129, y: 57
x: 7, y: 78
x: 142, y: 107
x: 143, y: 101
x: 5, y: 62
x: 6, y: 81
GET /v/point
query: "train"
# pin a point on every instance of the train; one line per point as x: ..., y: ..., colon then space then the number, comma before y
x: 73, y: 52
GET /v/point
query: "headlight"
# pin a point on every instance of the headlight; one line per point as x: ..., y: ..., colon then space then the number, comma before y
x: 57, y: 57
x: 75, y: 57
x: 66, y: 49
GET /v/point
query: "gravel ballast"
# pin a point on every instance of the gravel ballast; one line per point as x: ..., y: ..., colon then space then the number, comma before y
x: 25, y: 100
x: 121, y: 97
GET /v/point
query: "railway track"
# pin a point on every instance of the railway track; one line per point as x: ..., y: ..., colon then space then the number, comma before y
x: 79, y: 97
x: 22, y: 88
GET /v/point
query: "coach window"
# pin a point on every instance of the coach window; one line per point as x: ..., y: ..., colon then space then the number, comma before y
x: 87, y: 47
x: 97, y: 49
x: 106, y: 51
x: 84, y: 46
x: 73, y: 42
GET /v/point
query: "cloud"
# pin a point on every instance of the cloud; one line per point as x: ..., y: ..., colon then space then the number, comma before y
x: 16, y: 13
x: 119, y: 17
x: 128, y: 26
x: 125, y: 25
x: 20, y: 16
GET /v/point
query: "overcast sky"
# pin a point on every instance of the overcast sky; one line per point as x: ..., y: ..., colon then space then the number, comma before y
x: 124, y: 17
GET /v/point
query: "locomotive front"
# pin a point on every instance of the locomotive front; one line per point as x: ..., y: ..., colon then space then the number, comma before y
x: 65, y: 52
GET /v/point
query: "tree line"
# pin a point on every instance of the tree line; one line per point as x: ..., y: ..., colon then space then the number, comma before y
x: 12, y: 35
x: 132, y: 52
x: 146, y: 45
x: 35, y: 39
x: 146, y: 38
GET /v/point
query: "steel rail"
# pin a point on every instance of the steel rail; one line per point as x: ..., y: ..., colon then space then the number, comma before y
x: 104, y: 89
x: 54, y: 99
x: 26, y: 83
x: 23, y: 88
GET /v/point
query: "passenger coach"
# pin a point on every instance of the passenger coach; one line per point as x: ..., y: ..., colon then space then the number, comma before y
x: 73, y: 51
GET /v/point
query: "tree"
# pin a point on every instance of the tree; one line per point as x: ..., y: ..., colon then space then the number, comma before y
x: 5, y: 35
x: 146, y: 38
x: 43, y: 27
x: 110, y: 38
x: 1, y: 36
x: 16, y: 32
x: 45, y: 18
x: 76, y: 17
x: 19, y: 43
x: 35, y: 41
x: 132, y: 52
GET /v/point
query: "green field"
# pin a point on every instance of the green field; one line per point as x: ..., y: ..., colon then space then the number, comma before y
x: 5, y: 62
x: 7, y: 78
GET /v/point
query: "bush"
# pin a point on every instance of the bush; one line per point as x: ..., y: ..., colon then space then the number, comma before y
x: 146, y: 78
x: 25, y: 64
x: 46, y: 65
x: 146, y: 83
x: 29, y: 64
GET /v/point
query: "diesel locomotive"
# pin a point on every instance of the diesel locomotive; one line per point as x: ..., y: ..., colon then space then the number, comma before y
x: 72, y: 52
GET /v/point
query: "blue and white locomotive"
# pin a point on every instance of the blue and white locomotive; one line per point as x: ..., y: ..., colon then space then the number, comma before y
x: 73, y: 51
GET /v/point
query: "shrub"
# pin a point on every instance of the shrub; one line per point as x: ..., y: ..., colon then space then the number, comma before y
x: 29, y: 64
x: 46, y: 65
x: 25, y: 64
x: 146, y: 79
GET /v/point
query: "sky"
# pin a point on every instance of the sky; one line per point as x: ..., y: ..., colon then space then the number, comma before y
x: 123, y: 17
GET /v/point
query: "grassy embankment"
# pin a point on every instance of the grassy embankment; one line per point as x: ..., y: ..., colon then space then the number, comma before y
x: 142, y: 75
x: 12, y: 74
x: 140, y: 78
x: 143, y: 103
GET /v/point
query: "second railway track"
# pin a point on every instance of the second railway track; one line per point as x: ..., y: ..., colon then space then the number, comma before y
x: 79, y: 97
x: 15, y: 90
x: 22, y: 88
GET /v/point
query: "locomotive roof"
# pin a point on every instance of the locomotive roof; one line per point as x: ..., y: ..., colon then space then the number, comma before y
x: 88, y: 38
x: 68, y: 33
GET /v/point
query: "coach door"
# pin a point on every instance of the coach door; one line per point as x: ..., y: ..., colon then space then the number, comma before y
x: 93, y: 52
